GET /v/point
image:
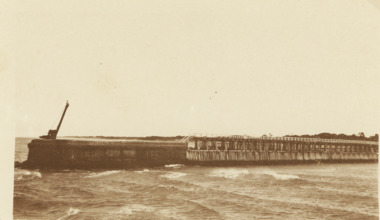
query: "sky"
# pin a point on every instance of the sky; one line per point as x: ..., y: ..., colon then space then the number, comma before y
x: 141, y: 68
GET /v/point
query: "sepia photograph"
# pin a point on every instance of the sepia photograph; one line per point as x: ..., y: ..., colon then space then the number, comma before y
x: 190, y: 110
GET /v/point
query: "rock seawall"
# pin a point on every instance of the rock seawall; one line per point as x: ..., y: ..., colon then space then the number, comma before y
x: 102, y: 154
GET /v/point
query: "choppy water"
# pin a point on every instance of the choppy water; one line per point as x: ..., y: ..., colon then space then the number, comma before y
x: 326, y: 191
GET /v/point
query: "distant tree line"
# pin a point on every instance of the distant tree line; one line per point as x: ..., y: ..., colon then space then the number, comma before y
x: 361, y: 136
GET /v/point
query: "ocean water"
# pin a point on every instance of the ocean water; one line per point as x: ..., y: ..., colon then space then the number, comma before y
x: 175, y: 191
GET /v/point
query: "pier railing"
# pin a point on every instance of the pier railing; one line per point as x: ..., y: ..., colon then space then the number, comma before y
x: 298, y: 139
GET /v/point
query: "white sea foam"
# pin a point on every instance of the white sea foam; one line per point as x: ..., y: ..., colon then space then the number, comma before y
x: 69, y: 212
x: 143, y: 171
x: 167, y: 186
x: 229, y: 173
x: 174, y: 165
x: 20, y: 174
x: 105, y: 173
x: 174, y: 175
x: 72, y: 211
x: 32, y: 173
x: 280, y: 176
x: 130, y: 209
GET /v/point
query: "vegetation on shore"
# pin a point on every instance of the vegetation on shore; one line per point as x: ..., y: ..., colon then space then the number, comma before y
x: 361, y: 136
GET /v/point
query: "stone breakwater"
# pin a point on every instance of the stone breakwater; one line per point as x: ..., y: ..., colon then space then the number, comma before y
x: 124, y: 154
x: 103, y: 154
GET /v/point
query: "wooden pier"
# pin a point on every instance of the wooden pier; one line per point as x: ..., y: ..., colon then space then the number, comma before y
x: 279, y: 149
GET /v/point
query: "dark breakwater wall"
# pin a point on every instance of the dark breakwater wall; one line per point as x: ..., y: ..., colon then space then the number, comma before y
x: 99, y: 154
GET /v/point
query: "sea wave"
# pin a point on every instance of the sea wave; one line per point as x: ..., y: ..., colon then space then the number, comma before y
x: 105, y: 173
x: 26, y: 174
x: 69, y: 212
x: 170, y: 187
x: 229, y: 173
x: 174, y: 165
x: 280, y: 176
x: 130, y: 209
x: 322, y: 205
x: 173, y: 175
x: 342, y: 190
x: 143, y: 171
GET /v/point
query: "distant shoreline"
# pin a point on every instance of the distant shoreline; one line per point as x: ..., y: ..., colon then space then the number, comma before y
x: 360, y: 137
